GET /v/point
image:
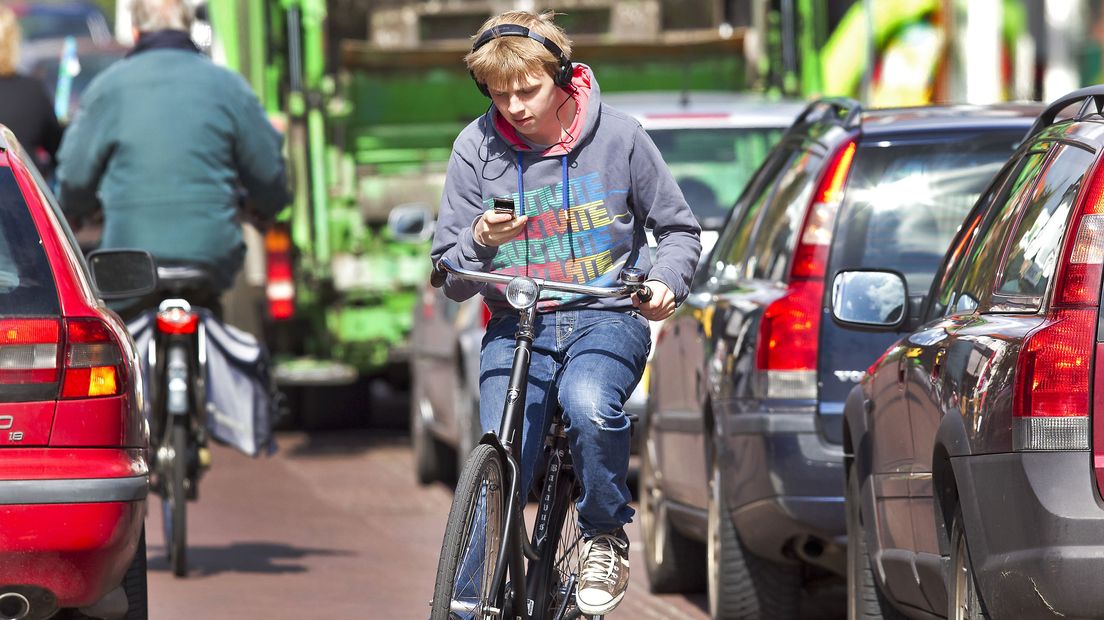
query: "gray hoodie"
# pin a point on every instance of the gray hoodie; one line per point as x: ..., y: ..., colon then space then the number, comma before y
x: 618, y: 186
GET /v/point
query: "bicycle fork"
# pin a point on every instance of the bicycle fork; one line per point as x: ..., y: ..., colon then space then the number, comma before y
x: 516, y: 544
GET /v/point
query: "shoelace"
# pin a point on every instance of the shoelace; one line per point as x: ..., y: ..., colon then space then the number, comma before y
x: 602, y: 559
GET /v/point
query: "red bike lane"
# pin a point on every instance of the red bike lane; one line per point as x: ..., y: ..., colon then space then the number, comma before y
x: 332, y: 526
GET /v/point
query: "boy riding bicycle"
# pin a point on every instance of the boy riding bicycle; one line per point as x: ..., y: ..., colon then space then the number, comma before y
x: 545, y: 131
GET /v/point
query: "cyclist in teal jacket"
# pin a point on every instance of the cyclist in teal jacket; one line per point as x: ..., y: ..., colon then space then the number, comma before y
x: 162, y: 142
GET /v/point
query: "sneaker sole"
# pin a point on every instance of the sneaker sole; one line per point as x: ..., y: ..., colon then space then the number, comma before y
x: 599, y: 611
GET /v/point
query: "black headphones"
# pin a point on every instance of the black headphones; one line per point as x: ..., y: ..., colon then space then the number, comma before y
x: 562, y: 77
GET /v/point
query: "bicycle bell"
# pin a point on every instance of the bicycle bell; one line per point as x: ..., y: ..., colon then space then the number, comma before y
x: 632, y: 276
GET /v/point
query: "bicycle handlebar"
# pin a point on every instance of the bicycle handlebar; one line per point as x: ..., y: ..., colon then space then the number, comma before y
x: 625, y: 290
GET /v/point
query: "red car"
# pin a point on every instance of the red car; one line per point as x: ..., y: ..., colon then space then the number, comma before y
x: 73, y: 441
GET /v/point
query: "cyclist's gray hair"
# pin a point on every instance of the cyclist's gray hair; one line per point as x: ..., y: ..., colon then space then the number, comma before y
x: 154, y: 15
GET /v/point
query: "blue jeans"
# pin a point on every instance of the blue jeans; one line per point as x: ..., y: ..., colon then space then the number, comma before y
x: 587, y: 362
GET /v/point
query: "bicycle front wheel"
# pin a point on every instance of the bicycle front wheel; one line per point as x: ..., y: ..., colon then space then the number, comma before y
x: 473, y: 537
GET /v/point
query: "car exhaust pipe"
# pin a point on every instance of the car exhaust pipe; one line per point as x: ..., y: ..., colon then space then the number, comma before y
x: 824, y: 553
x: 14, y: 606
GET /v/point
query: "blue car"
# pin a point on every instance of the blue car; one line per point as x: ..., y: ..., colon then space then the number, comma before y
x: 57, y: 20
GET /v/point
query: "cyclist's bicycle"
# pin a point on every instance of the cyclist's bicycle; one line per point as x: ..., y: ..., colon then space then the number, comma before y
x: 178, y: 437
x: 486, y: 532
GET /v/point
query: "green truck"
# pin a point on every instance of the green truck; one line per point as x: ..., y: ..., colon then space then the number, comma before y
x: 371, y: 96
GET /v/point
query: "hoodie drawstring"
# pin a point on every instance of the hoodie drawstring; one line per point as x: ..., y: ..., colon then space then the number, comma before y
x: 521, y: 210
x: 567, y: 207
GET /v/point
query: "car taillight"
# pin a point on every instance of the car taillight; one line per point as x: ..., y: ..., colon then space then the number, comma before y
x: 90, y: 362
x: 811, y: 255
x: 93, y: 360
x: 29, y: 359
x: 175, y: 320
x: 786, y: 349
x: 280, y: 287
x: 1051, y: 401
x: 1079, y: 274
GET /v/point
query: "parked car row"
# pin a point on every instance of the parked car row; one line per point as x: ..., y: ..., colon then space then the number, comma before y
x: 742, y: 472
x: 983, y: 405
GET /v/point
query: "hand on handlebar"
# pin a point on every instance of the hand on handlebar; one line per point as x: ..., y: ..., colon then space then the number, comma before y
x: 660, y: 306
x: 494, y: 229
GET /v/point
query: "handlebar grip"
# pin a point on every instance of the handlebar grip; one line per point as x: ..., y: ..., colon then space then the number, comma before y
x: 437, y: 277
x: 644, y: 294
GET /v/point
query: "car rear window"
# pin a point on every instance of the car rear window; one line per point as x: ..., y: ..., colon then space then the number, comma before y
x: 1033, y: 250
x: 45, y: 25
x: 712, y: 165
x: 26, y: 282
x: 905, y: 200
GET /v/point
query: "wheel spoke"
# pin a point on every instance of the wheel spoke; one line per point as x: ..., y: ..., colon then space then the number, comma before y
x: 483, y: 535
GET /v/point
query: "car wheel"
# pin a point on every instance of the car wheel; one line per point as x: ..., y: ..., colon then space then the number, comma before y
x: 742, y: 585
x: 865, y: 600
x: 674, y: 563
x: 965, y: 600
x: 134, y: 583
x: 430, y: 456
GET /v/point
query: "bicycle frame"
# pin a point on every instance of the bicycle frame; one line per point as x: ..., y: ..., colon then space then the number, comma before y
x: 516, y: 546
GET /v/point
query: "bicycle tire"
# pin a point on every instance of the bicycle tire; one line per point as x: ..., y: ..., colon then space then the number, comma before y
x: 177, y: 499
x: 478, y: 514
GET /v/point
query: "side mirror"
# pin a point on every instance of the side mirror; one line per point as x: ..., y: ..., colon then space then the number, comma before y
x: 877, y: 299
x: 412, y: 223
x: 122, y: 274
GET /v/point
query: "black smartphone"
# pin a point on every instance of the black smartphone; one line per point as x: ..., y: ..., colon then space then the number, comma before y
x: 504, y: 205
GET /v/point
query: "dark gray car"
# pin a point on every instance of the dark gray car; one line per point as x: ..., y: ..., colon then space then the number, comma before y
x: 743, y: 449
x: 974, y: 482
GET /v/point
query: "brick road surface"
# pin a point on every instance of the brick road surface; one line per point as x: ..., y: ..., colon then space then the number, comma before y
x: 334, y: 526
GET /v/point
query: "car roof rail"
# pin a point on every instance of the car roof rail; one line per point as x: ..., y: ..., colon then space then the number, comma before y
x: 841, y: 109
x: 1093, y: 104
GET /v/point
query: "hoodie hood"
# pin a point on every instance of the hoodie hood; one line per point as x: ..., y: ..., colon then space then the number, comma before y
x: 584, y: 92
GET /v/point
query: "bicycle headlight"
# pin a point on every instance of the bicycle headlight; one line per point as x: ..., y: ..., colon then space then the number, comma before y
x: 522, y: 292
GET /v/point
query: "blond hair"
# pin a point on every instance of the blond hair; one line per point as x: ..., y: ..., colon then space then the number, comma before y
x: 503, y: 60
x: 10, y: 37
x: 154, y: 15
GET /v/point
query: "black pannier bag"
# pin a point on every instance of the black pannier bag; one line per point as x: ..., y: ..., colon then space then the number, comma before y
x: 242, y: 402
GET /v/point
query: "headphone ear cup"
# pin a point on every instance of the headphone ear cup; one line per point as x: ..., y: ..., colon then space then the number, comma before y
x: 480, y: 85
x: 563, y: 80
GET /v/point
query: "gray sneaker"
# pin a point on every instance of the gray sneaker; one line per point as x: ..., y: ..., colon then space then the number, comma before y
x: 604, y: 573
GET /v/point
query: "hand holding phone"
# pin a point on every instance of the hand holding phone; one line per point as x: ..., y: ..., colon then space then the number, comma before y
x: 492, y: 229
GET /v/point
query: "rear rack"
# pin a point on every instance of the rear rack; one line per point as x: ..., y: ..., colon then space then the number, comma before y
x: 841, y: 109
x: 1093, y: 98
